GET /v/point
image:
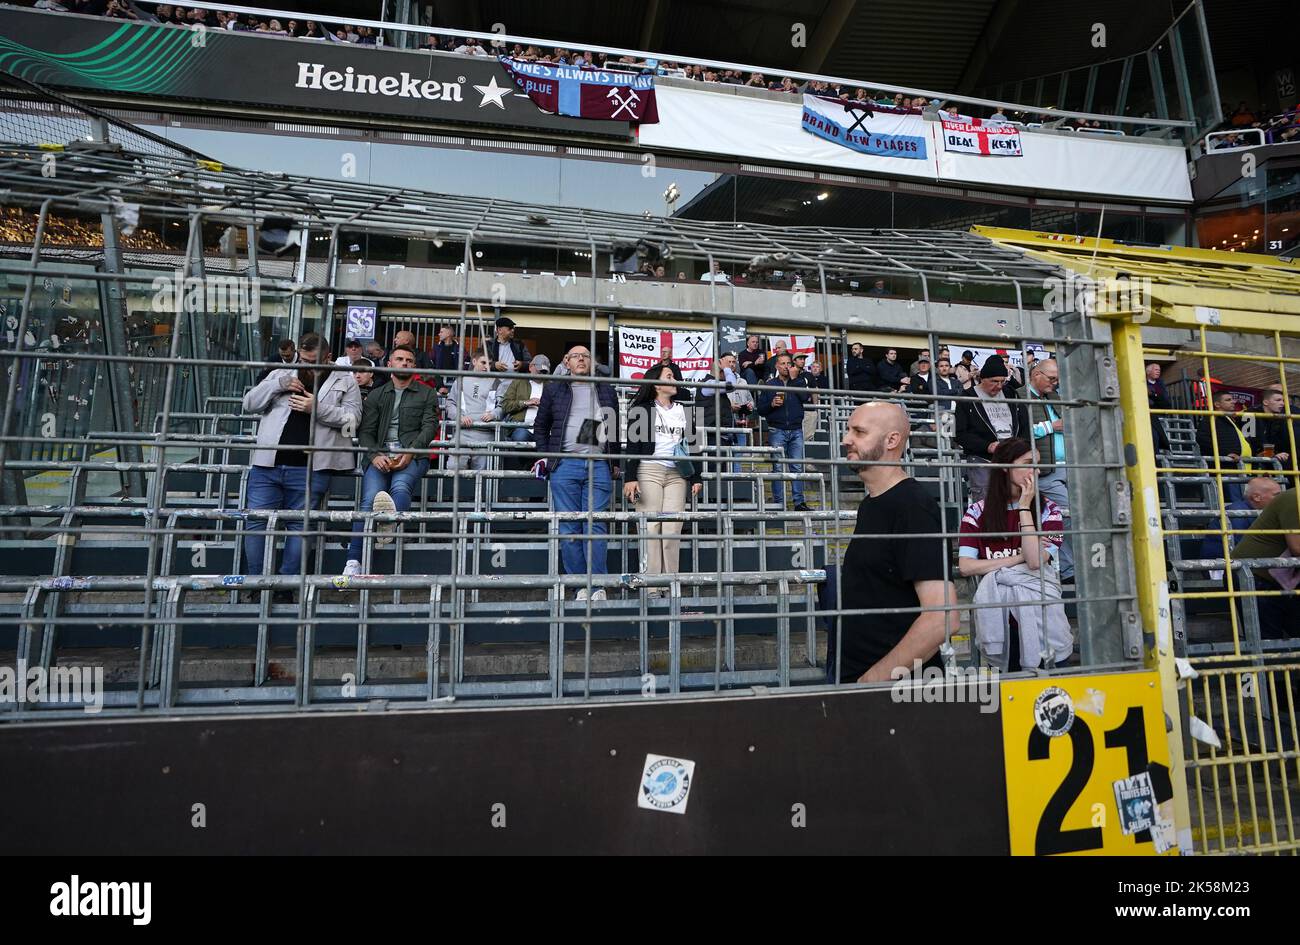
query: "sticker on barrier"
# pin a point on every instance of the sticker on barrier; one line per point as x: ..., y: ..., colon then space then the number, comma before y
x: 1082, y: 786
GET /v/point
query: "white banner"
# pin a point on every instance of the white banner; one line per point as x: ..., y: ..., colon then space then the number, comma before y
x: 641, y: 348
x: 695, y: 121
x: 979, y: 136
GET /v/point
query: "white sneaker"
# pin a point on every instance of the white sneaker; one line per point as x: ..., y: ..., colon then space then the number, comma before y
x: 581, y: 595
x: 384, y: 503
x: 352, y: 568
x: 598, y: 594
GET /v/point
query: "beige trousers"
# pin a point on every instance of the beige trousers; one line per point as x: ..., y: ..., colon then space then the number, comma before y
x: 663, y: 489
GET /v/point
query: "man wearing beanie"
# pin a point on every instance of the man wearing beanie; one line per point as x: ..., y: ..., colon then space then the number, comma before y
x: 987, y: 420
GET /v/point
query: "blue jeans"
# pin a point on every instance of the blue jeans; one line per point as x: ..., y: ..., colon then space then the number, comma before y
x: 791, y: 443
x: 401, y: 485
x: 520, y: 434
x: 569, y: 493
x: 738, y: 439
x: 1053, y: 487
x: 279, y: 487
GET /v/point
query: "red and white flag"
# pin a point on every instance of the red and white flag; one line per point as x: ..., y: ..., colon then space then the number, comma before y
x: 980, y: 136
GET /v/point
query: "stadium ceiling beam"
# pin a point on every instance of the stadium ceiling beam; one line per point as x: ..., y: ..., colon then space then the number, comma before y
x: 994, y: 26
x: 653, y: 24
x: 828, y: 30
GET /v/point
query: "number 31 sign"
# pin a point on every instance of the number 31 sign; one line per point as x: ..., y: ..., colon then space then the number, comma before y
x: 1087, y: 765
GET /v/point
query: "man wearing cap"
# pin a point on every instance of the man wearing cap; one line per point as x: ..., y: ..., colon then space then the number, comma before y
x: 507, y: 355
x: 986, y: 421
x: 351, y: 351
x: 522, y: 397
x: 922, y: 379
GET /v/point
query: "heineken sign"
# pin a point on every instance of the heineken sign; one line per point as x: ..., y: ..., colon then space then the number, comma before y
x: 69, y: 51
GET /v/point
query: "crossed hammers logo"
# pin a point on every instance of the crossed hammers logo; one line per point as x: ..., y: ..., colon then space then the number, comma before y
x: 624, y: 103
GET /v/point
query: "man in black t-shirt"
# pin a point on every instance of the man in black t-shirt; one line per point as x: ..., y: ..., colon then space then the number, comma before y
x: 885, y: 565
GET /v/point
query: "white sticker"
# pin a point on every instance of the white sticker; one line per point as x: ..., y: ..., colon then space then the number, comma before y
x: 665, y: 784
x: 1206, y: 315
x: 1203, y: 733
x: 1093, y: 702
x: 1136, y: 800
x: 1185, y: 669
x: 1054, y: 711
x: 1163, y: 834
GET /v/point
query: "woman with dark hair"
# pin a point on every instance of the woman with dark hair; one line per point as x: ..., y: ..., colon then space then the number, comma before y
x: 656, y: 425
x: 1010, y: 540
x: 862, y: 373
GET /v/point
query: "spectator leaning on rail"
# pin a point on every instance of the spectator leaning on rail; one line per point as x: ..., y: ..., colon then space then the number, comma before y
x: 896, y: 559
x: 657, y: 433
x: 986, y: 421
x: 472, y: 402
x: 310, y: 405
x: 783, y: 410
x: 1044, y: 408
x: 508, y: 356
x: 400, y: 416
x: 1003, y: 544
x: 1234, y: 445
x: 1279, y: 614
x: 520, y: 401
x: 577, y: 419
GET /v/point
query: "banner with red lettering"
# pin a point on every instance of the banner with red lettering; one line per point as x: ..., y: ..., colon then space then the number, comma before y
x: 639, y: 349
x: 980, y: 136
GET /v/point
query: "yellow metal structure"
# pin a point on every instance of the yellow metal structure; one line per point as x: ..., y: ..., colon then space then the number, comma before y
x: 1233, y: 737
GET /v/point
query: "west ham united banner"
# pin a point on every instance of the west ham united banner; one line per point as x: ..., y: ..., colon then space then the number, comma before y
x: 977, y: 136
x: 639, y: 349
x: 869, y: 129
x: 586, y: 93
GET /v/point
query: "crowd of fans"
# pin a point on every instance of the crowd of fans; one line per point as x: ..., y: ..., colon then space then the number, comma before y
x: 1277, y: 129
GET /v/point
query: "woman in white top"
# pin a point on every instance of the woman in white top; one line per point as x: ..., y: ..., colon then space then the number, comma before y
x: 656, y: 423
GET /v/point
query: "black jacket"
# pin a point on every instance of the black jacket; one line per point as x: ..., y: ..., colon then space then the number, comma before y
x: 1275, y: 432
x: 1228, y: 432
x: 891, y: 374
x: 974, y: 433
x: 641, y: 439
x: 862, y: 374
x: 493, y: 348
x: 921, y: 386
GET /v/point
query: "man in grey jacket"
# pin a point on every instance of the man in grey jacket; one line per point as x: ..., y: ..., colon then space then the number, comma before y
x: 309, y: 415
x: 472, y: 403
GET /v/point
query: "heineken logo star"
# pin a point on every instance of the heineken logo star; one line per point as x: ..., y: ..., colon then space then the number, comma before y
x: 493, y: 93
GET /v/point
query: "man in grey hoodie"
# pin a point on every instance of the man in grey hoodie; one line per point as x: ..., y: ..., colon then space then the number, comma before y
x: 471, y: 402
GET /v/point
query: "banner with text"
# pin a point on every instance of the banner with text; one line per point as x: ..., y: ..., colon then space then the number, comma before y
x: 586, y: 93
x: 979, y: 136
x: 641, y: 348
x: 871, y: 129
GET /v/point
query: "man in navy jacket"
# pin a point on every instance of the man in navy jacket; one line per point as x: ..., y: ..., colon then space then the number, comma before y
x: 577, y: 419
x: 783, y: 411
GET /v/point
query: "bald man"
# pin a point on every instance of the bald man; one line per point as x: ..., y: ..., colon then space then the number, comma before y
x: 1259, y: 493
x: 895, y: 559
x: 406, y: 339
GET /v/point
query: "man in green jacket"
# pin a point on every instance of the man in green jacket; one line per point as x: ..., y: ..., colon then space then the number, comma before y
x: 398, y: 422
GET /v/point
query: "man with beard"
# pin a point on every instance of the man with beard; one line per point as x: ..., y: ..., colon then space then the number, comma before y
x: 397, y: 425
x: 304, y: 405
x: 895, y: 560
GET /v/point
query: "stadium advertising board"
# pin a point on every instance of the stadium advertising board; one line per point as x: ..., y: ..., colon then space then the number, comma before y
x: 215, y: 65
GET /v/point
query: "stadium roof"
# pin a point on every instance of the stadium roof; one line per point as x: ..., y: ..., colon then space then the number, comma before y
x: 1205, y: 286
x: 94, y: 180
